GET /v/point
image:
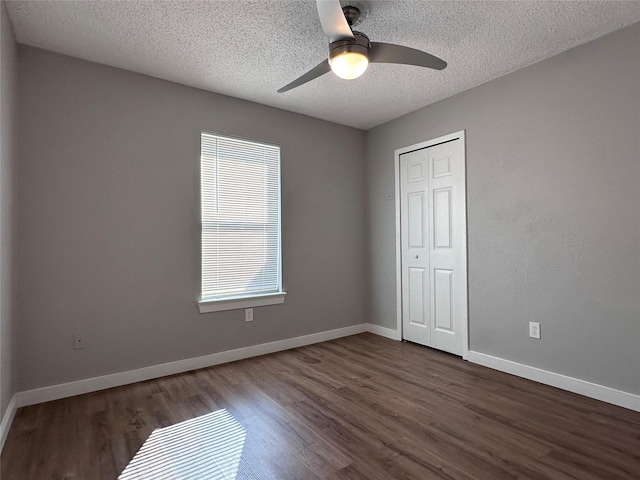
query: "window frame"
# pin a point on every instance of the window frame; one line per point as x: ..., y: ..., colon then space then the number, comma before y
x: 210, y: 304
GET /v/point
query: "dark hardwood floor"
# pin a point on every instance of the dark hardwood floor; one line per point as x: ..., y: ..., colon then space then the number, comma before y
x: 362, y: 407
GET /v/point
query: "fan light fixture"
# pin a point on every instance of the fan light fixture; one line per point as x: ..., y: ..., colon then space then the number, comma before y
x: 350, y: 58
x: 349, y: 65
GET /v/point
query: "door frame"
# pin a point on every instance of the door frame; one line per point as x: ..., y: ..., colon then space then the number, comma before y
x: 465, y: 308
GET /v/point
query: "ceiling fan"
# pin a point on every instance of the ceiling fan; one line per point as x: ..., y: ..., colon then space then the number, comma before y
x: 350, y: 52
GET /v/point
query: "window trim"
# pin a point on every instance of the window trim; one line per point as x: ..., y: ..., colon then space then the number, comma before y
x: 207, y: 305
x: 238, y: 303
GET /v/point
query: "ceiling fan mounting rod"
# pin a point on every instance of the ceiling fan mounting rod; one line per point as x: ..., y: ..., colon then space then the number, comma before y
x: 351, y: 13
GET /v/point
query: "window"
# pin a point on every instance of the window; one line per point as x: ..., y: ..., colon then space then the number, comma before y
x: 240, y: 211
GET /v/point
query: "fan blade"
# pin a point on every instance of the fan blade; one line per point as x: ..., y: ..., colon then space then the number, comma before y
x: 315, y: 72
x: 333, y: 22
x: 390, y: 53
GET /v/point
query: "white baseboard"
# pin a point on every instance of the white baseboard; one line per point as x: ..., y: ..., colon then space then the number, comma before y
x: 575, y: 385
x: 384, y: 332
x: 54, y: 392
x: 7, y: 420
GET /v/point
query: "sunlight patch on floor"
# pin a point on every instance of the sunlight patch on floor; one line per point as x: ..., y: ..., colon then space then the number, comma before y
x: 206, y: 447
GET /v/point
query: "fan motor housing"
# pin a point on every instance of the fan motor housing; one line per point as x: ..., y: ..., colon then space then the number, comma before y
x: 359, y: 44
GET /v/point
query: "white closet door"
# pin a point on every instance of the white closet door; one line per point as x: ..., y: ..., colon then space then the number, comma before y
x: 433, y: 255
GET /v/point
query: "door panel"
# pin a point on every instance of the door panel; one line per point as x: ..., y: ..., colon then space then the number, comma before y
x: 443, y: 300
x: 417, y: 280
x: 415, y: 247
x: 442, y: 218
x: 416, y: 223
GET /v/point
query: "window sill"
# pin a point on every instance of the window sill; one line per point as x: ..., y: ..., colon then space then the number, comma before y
x: 238, y: 303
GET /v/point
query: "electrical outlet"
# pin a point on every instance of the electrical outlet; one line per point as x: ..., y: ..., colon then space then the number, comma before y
x: 78, y: 342
x: 248, y: 314
x: 534, y: 330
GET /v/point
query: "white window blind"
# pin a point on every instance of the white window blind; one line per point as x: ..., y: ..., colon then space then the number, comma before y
x: 240, y: 204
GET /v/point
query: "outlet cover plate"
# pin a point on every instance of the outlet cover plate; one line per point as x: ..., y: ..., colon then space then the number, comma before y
x: 534, y: 330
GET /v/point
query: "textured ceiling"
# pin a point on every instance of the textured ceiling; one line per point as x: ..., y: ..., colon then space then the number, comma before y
x: 249, y: 49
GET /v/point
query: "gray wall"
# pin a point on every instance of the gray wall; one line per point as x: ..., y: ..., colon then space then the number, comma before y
x: 553, y: 192
x: 108, y: 221
x: 8, y: 77
x: 108, y: 227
